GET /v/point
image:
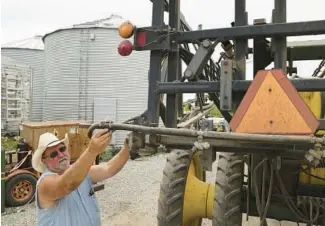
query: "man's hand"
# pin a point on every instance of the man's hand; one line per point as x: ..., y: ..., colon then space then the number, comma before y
x: 127, y: 141
x: 100, y: 141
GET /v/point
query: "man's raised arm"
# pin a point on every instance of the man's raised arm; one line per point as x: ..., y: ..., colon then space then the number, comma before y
x: 102, y: 172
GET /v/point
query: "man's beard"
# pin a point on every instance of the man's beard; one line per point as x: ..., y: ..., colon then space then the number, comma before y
x: 62, y: 165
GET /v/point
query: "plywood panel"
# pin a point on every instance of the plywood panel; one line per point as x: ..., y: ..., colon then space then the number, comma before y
x: 273, y: 106
x: 78, y: 140
x: 271, y: 111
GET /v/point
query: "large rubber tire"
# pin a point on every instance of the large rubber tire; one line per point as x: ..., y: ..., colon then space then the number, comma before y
x: 172, y: 189
x: 228, y: 190
x: 25, y: 180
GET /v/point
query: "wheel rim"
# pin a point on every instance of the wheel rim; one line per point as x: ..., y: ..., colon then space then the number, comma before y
x: 196, y: 190
x: 22, y: 190
x: 196, y: 170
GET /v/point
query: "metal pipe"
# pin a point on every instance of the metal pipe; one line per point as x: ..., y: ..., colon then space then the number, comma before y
x: 252, y: 31
x: 240, y: 44
x: 195, y: 118
x: 233, y: 146
x: 155, y: 67
x: 173, y: 63
x: 295, y: 162
x: 302, y: 85
x: 280, y: 139
x: 280, y: 43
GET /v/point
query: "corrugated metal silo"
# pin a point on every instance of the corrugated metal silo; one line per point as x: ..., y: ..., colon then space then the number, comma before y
x: 86, y: 78
x: 30, y: 52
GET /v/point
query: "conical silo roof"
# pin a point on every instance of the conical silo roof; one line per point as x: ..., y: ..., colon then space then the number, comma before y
x: 34, y: 42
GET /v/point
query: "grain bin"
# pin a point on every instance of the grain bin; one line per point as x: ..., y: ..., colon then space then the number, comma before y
x: 15, y: 94
x: 86, y: 78
x: 30, y: 52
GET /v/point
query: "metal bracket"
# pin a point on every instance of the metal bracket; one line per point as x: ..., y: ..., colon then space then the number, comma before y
x: 226, y: 85
x: 200, y: 144
x: 200, y: 59
x: 315, y: 155
x: 152, y: 38
x: 228, y: 47
x: 136, y: 142
x: 208, y: 153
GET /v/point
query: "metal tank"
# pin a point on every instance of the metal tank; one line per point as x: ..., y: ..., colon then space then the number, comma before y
x: 30, y: 52
x: 86, y: 79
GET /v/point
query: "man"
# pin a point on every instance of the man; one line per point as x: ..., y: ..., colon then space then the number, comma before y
x: 64, y: 194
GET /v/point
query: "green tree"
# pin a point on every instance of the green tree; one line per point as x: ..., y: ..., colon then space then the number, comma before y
x: 186, y: 108
x: 215, y: 112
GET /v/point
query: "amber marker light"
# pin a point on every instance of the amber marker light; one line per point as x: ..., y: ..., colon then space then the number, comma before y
x: 126, y: 29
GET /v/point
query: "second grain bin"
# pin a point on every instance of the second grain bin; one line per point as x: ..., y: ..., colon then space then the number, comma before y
x: 86, y: 78
x: 15, y: 94
x: 30, y: 52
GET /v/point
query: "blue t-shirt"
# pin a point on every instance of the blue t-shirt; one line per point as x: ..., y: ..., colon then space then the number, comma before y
x: 79, y: 208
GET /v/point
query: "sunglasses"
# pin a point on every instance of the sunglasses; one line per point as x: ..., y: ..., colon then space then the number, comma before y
x: 56, y: 153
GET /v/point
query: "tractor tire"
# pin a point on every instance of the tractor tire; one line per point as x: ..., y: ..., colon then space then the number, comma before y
x: 20, y: 189
x: 228, y: 190
x: 172, y: 189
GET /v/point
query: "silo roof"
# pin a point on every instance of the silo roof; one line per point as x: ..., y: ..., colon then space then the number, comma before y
x: 28, y: 43
x: 113, y: 22
x: 9, y: 61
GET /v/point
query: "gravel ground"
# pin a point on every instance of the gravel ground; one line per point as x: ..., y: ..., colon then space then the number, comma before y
x: 129, y: 198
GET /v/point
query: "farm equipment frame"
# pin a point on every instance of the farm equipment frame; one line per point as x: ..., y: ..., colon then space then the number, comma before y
x: 286, y: 161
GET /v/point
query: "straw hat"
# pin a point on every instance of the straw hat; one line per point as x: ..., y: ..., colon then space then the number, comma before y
x: 46, y: 140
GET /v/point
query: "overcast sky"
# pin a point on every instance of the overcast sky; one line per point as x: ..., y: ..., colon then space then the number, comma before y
x: 22, y: 19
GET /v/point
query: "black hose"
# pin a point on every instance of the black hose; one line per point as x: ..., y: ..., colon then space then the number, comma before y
x: 258, y: 204
x: 268, y: 201
x: 290, y: 203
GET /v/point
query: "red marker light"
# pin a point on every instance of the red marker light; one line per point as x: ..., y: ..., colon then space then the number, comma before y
x: 141, y: 39
x: 125, y: 48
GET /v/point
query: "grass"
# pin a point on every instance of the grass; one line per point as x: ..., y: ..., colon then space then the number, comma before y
x: 109, y: 153
x: 8, y: 143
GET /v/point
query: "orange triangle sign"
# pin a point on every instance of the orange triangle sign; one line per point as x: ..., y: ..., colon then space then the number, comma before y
x: 272, y: 105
